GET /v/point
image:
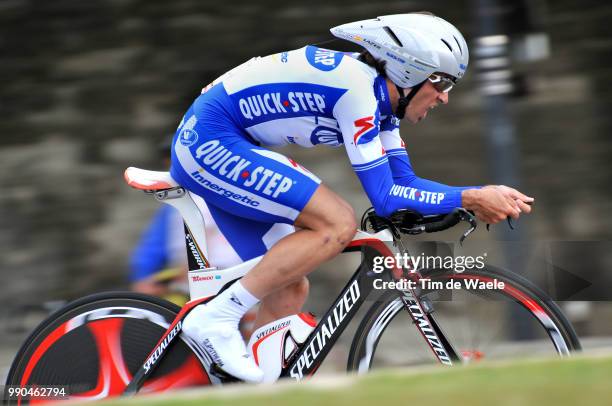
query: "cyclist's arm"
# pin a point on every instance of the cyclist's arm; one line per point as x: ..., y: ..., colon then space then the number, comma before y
x: 399, y: 161
x: 388, y: 196
x: 359, y: 123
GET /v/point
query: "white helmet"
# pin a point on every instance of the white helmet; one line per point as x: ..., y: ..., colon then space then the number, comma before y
x: 413, y: 45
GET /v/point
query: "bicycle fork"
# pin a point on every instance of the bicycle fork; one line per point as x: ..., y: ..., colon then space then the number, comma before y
x: 421, y: 311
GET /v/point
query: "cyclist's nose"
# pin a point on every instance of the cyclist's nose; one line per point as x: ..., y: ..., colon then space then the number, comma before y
x: 443, y: 98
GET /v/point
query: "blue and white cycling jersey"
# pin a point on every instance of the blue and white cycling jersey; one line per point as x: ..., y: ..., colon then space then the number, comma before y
x: 308, y: 96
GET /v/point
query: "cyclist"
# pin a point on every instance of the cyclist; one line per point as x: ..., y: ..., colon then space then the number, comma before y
x: 307, y: 97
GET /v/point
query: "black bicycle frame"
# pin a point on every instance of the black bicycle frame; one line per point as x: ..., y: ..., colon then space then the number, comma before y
x: 318, y: 344
x: 314, y: 350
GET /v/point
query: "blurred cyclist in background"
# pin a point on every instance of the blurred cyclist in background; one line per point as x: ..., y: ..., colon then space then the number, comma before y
x: 158, y: 264
x: 313, y: 96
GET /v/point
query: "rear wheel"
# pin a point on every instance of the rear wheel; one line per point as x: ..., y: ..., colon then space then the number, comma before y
x: 516, y: 321
x: 94, y: 346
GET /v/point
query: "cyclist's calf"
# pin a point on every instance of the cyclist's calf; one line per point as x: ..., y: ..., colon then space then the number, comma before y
x: 283, y: 302
x: 327, y: 225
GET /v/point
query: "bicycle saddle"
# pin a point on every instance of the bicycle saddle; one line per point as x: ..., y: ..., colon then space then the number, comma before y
x: 148, y: 180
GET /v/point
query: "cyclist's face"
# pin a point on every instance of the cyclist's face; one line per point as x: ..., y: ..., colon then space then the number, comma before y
x: 426, y: 99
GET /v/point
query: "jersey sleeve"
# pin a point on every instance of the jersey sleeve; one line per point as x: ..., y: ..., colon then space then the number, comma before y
x: 358, y: 116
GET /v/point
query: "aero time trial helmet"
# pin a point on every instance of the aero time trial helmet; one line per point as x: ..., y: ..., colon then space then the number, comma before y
x: 413, y: 46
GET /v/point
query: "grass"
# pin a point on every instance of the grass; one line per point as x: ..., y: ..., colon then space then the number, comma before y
x: 559, y: 382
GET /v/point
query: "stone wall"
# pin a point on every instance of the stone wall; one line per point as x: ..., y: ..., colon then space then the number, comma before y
x: 91, y: 87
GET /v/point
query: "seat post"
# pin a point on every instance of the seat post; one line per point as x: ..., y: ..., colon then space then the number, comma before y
x: 167, y: 190
x: 195, y: 235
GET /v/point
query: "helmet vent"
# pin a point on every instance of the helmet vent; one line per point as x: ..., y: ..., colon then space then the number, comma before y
x: 393, y: 36
x: 446, y: 43
x: 457, y: 41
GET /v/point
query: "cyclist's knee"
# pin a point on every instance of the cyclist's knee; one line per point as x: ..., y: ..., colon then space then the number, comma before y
x: 337, y: 233
x: 345, y: 226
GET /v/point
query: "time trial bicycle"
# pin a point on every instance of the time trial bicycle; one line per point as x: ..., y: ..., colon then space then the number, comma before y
x: 122, y: 343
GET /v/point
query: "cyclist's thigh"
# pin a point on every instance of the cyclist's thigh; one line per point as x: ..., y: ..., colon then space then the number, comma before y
x: 232, y: 239
x: 247, y: 238
x: 240, y: 178
x: 326, y: 208
x: 253, y: 194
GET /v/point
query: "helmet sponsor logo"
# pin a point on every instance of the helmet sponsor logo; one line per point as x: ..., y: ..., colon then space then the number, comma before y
x: 218, y: 160
x: 371, y: 43
x: 397, y: 58
x: 341, y: 34
x: 188, y: 137
x: 323, y: 59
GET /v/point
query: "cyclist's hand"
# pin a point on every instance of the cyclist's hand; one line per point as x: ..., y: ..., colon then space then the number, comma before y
x: 490, y: 204
x: 523, y: 201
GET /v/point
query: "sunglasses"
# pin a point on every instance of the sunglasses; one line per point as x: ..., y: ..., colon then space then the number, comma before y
x: 441, y: 83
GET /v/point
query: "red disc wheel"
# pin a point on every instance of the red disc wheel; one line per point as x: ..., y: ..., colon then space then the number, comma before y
x: 94, y: 346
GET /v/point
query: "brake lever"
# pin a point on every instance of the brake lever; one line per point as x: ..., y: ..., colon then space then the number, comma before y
x: 509, y: 219
x: 510, y: 223
x: 470, y: 218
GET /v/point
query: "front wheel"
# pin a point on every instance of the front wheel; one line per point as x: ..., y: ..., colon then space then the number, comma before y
x: 517, y: 320
x: 92, y: 348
